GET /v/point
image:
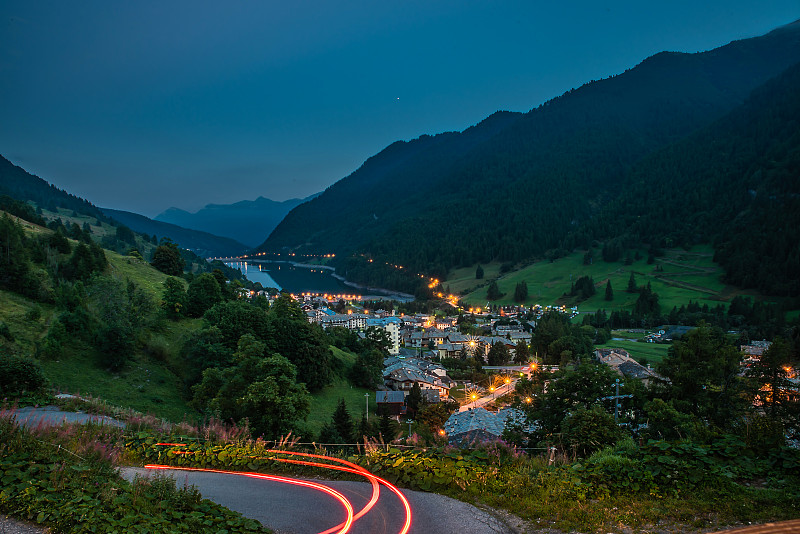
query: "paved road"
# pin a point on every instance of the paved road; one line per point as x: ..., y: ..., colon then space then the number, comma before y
x: 290, y: 509
x: 51, y: 415
x: 482, y: 401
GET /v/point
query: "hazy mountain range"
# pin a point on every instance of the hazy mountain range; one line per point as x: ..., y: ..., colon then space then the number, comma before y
x: 248, y: 221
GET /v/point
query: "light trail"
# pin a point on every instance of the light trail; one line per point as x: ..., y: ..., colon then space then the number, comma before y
x: 355, y: 468
x: 345, y: 527
x: 346, y: 466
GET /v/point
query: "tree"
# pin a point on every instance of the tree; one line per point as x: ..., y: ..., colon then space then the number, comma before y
x: 167, y: 259
x: 203, y: 350
x: 342, y: 422
x: 588, y: 430
x: 584, y: 386
x: 414, y: 400
x: 260, y: 389
x: 521, y: 353
x: 609, y: 291
x: 387, y: 427
x: 305, y: 346
x: 202, y: 294
x: 647, y: 302
x: 702, y: 368
x: 498, y: 353
x: 521, y: 292
x: 236, y: 318
x: 367, y: 371
x: 493, y: 293
x: 770, y: 384
x: 479, y: 273
x: 632, y: 288
x: 173, y: 300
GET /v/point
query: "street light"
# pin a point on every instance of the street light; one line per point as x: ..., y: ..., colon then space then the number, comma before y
x: 366, y: 398
x: 409, y: 427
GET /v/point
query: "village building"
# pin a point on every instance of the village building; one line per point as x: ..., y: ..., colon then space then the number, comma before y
x: 620, y: 361
x: 401, y: 374
x: 390, y: 402
x: 477, y: 425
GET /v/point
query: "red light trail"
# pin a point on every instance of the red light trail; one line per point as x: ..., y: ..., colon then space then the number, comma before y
x: 345, y: 466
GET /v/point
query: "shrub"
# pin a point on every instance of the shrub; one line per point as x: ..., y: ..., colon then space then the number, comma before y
x: 19, y: 375
x: 6, y: 332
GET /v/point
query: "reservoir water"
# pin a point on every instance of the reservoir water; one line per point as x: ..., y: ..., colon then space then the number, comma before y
x: 288, y: 277
x: 303, y: 279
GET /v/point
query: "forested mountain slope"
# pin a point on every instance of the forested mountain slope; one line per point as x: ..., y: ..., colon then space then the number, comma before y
x: 736, y: 184
x: 517, y: 186
x: 18, y: 183
x: 201, y: 243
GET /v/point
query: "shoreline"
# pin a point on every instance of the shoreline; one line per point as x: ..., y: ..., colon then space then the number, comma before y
x: 380, y: 293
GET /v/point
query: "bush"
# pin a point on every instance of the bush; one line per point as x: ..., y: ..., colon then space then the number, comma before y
x: 158, y: 348
x: 586, y: 431
x: 20, y: 375
x: 5, y: 331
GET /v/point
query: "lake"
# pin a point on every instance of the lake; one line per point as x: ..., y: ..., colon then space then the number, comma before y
x: 302, y: 279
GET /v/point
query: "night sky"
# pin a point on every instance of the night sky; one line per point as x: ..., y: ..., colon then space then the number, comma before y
x: 145, y: 105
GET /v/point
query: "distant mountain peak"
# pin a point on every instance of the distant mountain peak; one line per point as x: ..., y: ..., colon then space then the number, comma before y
x: 247, y: 221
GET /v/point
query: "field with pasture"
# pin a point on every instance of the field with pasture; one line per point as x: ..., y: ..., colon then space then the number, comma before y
x: 677, y: 277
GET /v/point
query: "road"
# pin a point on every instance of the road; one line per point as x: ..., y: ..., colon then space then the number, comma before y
x: 290, y: 509
x: 51, y: 415
x: 481, y: 401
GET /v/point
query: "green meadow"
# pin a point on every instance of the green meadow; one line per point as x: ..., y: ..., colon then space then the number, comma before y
x: 677, y: 277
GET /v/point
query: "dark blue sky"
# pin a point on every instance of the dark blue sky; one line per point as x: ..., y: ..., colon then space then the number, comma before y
x: 145, y: 105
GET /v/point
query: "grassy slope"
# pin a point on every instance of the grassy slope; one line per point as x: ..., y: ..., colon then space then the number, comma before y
x: 324, y: 403
x: 687, y: 275
x: 638, y: 350
x: 145, y: 384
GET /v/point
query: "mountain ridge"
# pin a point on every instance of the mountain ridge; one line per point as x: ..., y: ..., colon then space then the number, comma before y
x: 203, y: 244
x: 517, y: 191
x: 247, y: 221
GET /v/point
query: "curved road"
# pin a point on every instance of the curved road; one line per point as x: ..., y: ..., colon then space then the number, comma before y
x: 290, y: 509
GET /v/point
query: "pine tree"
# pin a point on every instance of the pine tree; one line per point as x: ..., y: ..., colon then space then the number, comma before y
x: 414, y: 400
x: 632, y: 287
x: 342, y: 422
x: 521, y: 353
x: 609, y: 291
x: 521, y: 292
x: 493, y: 293
x: 479, y: 273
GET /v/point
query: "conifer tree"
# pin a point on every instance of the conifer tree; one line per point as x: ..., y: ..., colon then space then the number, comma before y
x: 609, y: 291
x: 342, y: 422
x: 632, y: 287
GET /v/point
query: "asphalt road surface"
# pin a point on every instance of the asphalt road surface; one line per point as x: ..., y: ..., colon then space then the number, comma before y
x: 290, y: 509
x: 52, y: 415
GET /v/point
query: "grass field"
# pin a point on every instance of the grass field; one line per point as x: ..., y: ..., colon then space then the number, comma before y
x: 144, y: 384
x: 649, y: 352
x: 324, y: 403
x: 686, y: 275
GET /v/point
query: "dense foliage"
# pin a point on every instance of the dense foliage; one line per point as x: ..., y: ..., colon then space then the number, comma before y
x: 70, y: 484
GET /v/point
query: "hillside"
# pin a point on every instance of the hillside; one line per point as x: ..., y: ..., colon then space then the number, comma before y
x: 678, y: 277
x: 17, y: 183
x: 518, y: 186
x: 201, y: 243
x: 248, y: 221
